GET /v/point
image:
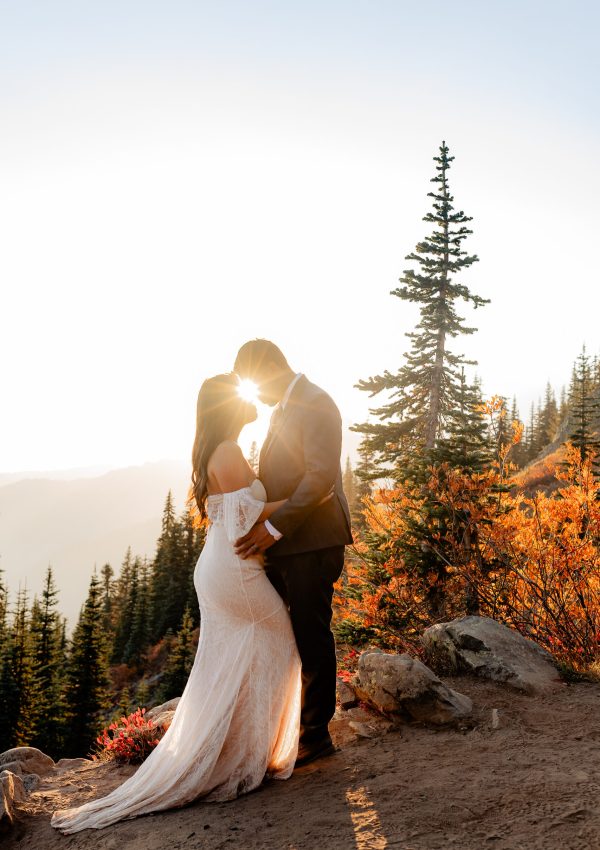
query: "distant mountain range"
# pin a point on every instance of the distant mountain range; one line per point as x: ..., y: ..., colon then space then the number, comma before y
x: 76, y: 519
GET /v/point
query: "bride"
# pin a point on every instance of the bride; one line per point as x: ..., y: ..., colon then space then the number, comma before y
x: 238, y: 718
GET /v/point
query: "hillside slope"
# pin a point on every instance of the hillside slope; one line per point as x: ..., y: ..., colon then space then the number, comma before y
x: 74, y: 524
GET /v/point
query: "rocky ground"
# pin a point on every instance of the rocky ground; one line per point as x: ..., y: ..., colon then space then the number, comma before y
x: 522, y: 774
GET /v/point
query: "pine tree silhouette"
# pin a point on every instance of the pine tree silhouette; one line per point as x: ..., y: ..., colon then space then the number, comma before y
x: 87, y: 675
x: 426, y: 390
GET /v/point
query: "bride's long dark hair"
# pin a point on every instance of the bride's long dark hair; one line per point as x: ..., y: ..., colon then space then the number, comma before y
x: 220, y: 412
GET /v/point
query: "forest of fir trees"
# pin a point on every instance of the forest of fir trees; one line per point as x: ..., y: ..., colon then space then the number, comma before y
x: 435, y: 517
x: 133, y: 644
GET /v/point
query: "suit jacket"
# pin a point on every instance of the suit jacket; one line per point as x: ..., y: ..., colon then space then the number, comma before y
x: 300, y: 462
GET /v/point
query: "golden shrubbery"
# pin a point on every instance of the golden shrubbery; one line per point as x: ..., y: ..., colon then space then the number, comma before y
x: 532, y: 562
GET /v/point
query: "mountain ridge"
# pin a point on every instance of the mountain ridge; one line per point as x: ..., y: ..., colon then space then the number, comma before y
x: 78, y: 523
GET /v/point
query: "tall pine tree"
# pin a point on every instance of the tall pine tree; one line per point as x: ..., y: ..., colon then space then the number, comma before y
x: 48, y: 665
x: 16, y: 681
x: 426, y: 390
x: 584, y: 407
x: 87, y: 675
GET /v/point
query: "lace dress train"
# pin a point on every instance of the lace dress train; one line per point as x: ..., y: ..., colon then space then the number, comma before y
x: 239, y: 715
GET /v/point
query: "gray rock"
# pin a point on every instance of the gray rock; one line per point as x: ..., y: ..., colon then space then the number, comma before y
x: 31, y: 782
x: 359, y: 714
x: 402, y: 685
x: 32, y: 760
x: 12, y: 791
x: 485, y: 648
x: 159, y: 710
x: 163, y: 719
x: 346, y: 695
x: 14, y: 767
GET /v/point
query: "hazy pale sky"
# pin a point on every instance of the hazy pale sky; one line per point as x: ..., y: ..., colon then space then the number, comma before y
x: 178, y: 177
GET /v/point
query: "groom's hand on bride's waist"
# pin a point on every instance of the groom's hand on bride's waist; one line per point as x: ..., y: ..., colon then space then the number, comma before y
x: 256, y: 541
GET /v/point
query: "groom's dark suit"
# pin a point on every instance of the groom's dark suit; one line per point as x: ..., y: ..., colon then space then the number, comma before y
x: 300, y: 462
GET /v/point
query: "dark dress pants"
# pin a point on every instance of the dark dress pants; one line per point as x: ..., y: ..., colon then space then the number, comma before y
x: 305, y: 582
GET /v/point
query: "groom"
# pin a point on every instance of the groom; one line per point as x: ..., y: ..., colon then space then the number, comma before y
x: 303, y: 540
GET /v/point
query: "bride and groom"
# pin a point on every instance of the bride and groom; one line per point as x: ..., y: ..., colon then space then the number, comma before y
x: 261, y: 691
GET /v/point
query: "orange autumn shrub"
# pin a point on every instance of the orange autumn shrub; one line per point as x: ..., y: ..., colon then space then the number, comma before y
x: 473, y: 541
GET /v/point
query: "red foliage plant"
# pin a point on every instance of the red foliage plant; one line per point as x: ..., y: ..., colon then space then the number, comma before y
x: 128, y: 741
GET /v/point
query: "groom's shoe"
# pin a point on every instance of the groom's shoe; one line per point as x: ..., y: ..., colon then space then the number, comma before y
x: 312, y: 752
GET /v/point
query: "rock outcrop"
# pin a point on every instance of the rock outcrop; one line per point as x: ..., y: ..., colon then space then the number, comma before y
x: 12, y: 791
x: 485, y: 648
x: 403, y: 685
x: 24, y: 760
x: 346, y: 695
x: 162, y: 715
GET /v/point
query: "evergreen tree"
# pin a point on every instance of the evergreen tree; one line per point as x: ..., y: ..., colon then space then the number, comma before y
x: 548, y: 423
x: 595, y: 370
x: 16, y: 691
x: 142, y: 695
x: 365, y: 473
x: 192, y: 543
x: 87, y: 675
x: 163, y: 590
x: 180, y: 660
x: 123, y: 707
x: 3, y: 609
x: 465, y: 441
x: 171, y: 583
x: 349, y: 485
x: 48, y: 671
x: 121, y: 609
x: 9, y: 694
x: 139, y: 606
x: 529, y: 435
x: 108, y: 593
x: 563, y: 409
x: 584, y: 406
x: 518, y: 453
x: 426, y: 390
x: 253, y: 456
x: 503, y: 433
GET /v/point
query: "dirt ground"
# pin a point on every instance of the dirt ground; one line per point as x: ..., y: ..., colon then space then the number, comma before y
x: 532, y: 782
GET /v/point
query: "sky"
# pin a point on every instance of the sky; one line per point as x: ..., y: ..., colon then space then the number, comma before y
x: 176, y: 178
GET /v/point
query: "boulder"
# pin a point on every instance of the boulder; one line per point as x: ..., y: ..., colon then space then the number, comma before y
x: 403, y: 685
x: 11, y: 791
x: 485, y: 648
x: 346, y: 696
x: 14, y: 767
x: 166, y: 708
x: 31, y: 760
x: 163, y: 720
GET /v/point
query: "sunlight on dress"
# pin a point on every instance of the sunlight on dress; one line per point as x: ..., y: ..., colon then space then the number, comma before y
x: 239, y: 715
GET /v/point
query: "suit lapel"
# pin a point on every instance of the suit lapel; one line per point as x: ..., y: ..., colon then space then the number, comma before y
x: 280, y: 424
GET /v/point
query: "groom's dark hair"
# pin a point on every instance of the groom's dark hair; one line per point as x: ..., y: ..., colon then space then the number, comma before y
x: 255, y: 353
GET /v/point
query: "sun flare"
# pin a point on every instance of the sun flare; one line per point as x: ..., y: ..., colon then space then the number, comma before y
x: 248, y: 390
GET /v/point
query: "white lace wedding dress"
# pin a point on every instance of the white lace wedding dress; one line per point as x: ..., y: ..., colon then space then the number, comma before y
x: 239, y: 715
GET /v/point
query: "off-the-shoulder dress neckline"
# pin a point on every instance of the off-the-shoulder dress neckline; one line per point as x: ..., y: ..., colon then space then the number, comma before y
x: 230, y: 492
